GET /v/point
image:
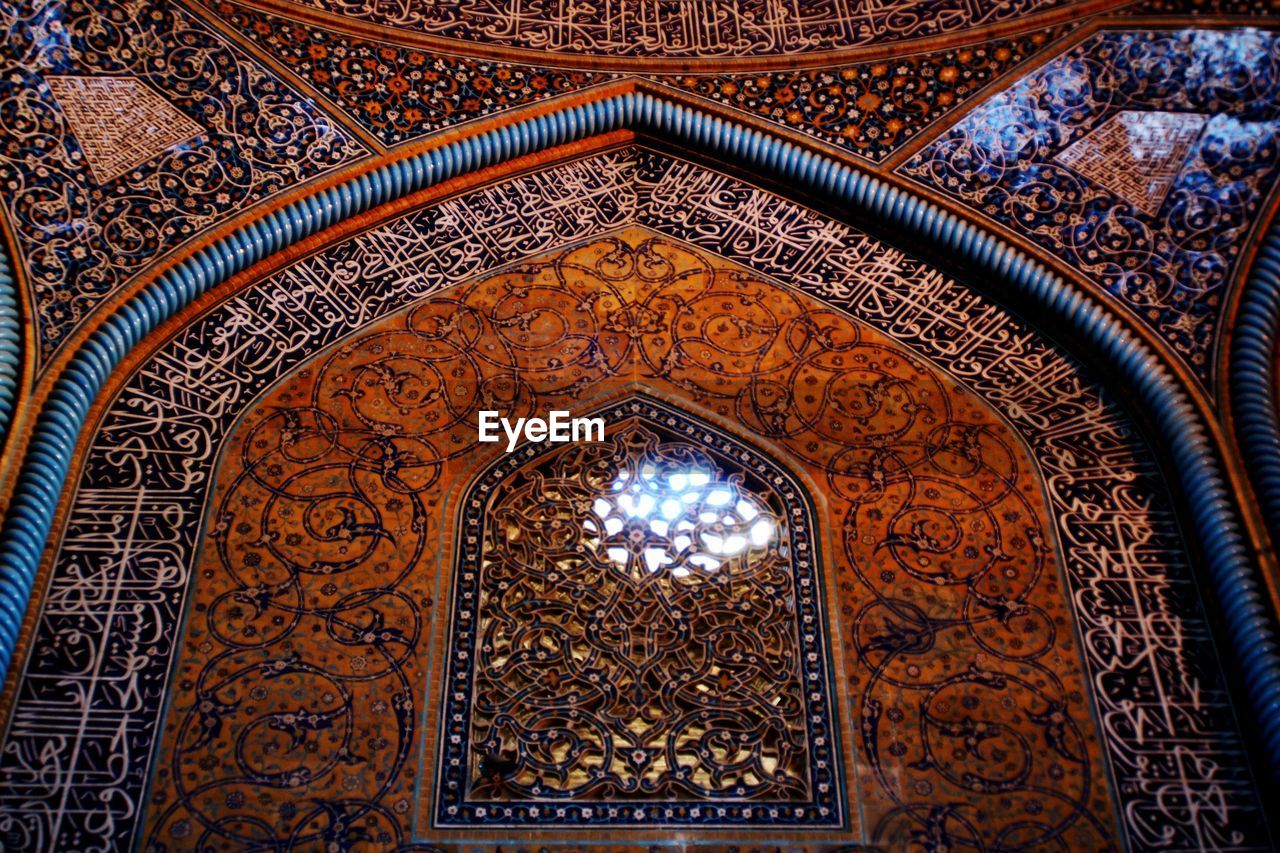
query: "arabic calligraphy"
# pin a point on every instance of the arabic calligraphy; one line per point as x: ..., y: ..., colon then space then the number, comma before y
x: 674, y: 29
x: 74, y: 767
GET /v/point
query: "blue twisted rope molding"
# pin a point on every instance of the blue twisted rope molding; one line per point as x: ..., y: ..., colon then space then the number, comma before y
x: 1252, y: 376
x: 45, y: 468
x: 10, y: 347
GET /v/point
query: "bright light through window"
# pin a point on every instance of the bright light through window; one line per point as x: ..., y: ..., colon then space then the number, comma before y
x: 656, y: 517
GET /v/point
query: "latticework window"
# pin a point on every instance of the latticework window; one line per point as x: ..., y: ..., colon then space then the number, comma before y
x: 640, y: 640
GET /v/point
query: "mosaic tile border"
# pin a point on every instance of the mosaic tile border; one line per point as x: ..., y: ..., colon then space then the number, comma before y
x: 10, y: 347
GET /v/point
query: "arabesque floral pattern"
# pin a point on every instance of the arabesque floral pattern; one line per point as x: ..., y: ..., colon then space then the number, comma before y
x: 870, y: 109
x: 401, y: 93
x: 81, y: 240
x: 1171, y: 269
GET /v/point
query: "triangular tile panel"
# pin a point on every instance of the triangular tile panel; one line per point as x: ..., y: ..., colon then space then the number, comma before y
x: 120, y: 122
x: 1136, y: 154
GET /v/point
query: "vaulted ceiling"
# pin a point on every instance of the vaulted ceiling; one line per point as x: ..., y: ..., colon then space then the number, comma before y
x: 974, y: 304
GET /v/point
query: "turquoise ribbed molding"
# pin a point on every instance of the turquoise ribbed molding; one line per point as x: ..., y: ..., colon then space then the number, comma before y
x: 44, y: 470
x: 10, y: 346
x: 1252, y: 374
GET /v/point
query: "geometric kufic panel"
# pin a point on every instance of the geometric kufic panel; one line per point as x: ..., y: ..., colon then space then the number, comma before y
x: 119, y: 122
x: 638, y: 638
x: 1136, y: 154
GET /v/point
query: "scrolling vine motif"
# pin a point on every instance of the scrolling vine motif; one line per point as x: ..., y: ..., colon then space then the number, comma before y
x: 299, y: 674
x: 1169, y: 257
x: 120, y: 581
x: 82, y: 234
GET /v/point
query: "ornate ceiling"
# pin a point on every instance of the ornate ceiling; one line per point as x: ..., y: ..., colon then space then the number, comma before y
x: 650, y: 35
x: 960, y: 316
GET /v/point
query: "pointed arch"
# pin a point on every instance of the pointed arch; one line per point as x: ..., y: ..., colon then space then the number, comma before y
x: 47, y: 463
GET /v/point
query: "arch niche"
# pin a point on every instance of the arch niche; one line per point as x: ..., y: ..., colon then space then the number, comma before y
x: 960, y: 514
x: 337, y: 556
